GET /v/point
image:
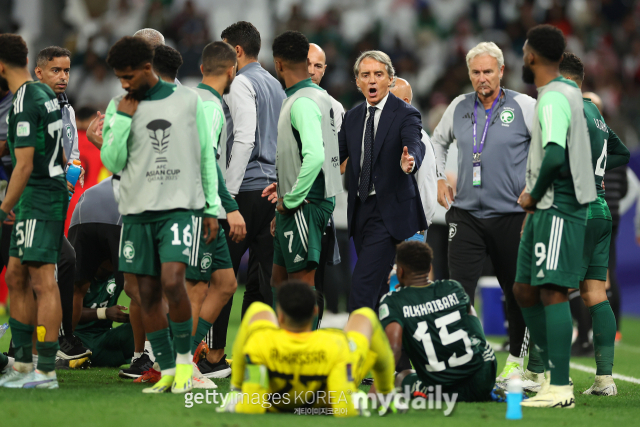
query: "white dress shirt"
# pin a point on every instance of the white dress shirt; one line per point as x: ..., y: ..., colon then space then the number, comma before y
x: 376, y: 120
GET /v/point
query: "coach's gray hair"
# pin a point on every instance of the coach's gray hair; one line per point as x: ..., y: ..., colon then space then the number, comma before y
x: 154, y: 37
x: 379, y: 56
x: 486, y: 48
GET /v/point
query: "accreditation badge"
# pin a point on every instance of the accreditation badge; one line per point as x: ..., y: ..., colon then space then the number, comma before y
x: 477, y: 175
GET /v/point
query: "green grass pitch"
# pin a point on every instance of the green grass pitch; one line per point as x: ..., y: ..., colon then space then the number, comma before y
x: 97, y: 397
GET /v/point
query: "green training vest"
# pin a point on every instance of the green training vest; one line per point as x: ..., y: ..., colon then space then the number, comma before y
x: 577, y: 143
x: 288, y: 156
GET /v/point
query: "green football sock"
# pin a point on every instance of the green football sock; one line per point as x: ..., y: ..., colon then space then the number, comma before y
x: 21, y: 335
x: 47, y: 355
x: 162, y: 348
x: 536, y: 321
x: 201, y: 331
x: 535, y: 363
x: 604, y: 336
x: 4, y: 360
x: 182, y: 335
x: 559, y: 332
x: 274, y: 292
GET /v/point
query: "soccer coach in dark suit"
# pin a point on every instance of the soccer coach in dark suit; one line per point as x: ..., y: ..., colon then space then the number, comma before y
x: 382, y: 139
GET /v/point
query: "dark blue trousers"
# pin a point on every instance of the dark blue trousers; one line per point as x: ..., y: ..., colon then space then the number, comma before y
x: 376, y: 251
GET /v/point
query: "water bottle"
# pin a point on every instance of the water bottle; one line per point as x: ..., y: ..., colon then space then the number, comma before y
x: 514, y: 398
x: 393, y: 279
x: 3, y: 329
x: 73, y: 173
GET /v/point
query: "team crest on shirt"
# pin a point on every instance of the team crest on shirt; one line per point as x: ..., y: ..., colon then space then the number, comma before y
x: 206, y: 261
x: 159, y: 132
x: 128, y: 252
x: 69, y: 132
x: 507, y: 116
x: 111, y: 287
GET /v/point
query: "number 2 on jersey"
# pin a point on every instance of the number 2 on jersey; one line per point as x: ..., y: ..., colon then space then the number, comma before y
x: 53, y: 128
x: 423, y: 336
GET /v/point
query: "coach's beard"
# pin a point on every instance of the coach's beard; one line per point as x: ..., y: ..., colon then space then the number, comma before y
x: 527, y: 75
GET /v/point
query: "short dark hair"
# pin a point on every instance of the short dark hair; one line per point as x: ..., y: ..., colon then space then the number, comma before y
x: 167, y: 61
x: 245, y: 35
x: 291, y: 46
x: 217, y: 57
x: 48, y: 53
x: 297, y: 300
x: 414, y: 256
x: 572, y: 66
x: 548, y: 41
x: 129, y: 51
x: 13, y: 50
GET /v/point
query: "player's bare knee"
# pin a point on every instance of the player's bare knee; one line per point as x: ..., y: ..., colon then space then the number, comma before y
x: 16, y: 281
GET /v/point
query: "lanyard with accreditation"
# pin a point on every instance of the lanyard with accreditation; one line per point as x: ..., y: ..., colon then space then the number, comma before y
x: 477, y: 151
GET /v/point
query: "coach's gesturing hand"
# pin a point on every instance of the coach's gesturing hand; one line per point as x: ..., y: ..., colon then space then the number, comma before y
x: 117, y: 314
x: 128, y: 105
x: 210, y: 226
x: 407, y: 161
x: 237, y: 226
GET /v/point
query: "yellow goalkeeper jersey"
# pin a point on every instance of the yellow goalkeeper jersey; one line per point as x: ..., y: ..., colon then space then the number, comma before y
x: 310, y: 371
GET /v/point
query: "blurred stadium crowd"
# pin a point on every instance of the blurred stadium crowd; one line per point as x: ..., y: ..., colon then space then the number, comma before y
x: 426, y: 39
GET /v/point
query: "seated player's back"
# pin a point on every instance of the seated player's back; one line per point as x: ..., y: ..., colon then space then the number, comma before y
x: 302, y: 364
x: 445, y: 343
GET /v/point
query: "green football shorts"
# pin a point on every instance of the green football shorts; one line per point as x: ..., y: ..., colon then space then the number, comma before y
x: 211, y: 257
x: 595, y: 258
x: 35, y: 240
x: 476, y: 389
x: 145, y: 247
x: 550, y: 249
x: 297, y: 243
x: 110, y: 348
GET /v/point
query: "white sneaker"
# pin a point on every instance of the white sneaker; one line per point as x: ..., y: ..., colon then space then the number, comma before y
x: 603, y: 386
x: 532, y: 382
x: 555, y: 396
x: 35, y: 379
x: 200, y: 381
x: 510, y: 370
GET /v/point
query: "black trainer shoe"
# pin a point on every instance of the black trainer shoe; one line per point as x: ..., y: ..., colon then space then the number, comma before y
x: 137, y: 368
x: 71, y: 348
x: 367, y: 381
x: 215, y: 370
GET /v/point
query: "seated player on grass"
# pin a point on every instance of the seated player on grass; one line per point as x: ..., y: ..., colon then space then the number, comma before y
x: 110, y: 346
x: 439, y: 330
x: 278, y: 357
